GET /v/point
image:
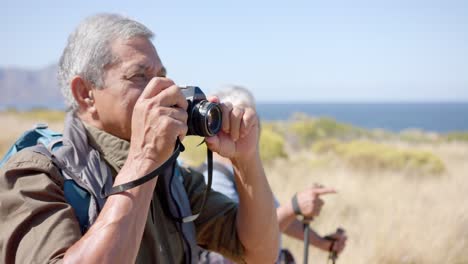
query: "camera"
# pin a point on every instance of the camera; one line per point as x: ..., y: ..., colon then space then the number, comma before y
x: 204, y: 117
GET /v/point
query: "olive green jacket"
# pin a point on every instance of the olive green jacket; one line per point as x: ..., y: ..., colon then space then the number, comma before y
x: 38, y: 226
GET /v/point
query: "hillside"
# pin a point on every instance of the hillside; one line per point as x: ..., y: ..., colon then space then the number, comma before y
x: 33, y: 88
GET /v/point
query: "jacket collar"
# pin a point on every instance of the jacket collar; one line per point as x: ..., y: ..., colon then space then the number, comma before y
x: 113, y: 149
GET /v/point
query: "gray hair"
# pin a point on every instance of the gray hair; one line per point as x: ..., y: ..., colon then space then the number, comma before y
x: 88, y: 50
x: 237, y: 95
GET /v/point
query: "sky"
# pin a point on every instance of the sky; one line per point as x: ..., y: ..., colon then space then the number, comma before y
x: 283, y: 51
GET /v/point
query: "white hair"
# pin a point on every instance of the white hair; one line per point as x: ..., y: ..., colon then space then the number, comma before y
x: 88, y: 50
x: 236, y: 95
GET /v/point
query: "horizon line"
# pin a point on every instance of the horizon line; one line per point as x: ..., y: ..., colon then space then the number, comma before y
x: 464, y: 101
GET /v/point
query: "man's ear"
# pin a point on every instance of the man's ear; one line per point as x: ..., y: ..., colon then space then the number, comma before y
x: 82, y: 91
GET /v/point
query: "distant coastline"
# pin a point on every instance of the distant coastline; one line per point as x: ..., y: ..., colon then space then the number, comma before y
x: 431, y: 116
x: 437, y: 117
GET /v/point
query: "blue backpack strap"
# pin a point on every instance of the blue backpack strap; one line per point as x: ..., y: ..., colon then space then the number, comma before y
x: 79, y: 199
x: 12, y: 150
x: 39, y: 134
x: 45, y: 141
x: 48, y: 138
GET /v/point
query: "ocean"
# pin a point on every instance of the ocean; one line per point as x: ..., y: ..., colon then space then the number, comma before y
x: 436, y: 117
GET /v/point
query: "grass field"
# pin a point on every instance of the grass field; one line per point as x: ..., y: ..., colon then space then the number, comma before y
x: 15, y: 123
x: 401, y: 197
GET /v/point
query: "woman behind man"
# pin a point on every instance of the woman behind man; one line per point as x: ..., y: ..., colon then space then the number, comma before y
x: 306, y: 203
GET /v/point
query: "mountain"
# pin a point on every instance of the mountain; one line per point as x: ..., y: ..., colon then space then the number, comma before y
x: 25, y: 89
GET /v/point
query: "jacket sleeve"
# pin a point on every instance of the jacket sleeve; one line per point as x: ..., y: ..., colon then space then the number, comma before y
x: 216, y: 225
x: 37, y: 225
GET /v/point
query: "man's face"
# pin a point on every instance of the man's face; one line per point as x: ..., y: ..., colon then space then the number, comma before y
x: 124, y: 81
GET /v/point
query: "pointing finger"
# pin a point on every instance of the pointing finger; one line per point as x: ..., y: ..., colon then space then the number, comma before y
x: 323, y: 191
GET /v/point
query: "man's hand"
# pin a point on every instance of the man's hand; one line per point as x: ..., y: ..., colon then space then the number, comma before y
x: 339, y: 238
x: 256, y: 222
x: 238, y: 138
x: 159, y: 117
x: 309, y: 200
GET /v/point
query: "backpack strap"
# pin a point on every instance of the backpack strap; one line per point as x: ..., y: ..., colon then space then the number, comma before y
x: 76, y: 196
x: 77, y: 162
x: 39, y: 134
x: 48, y: 138
x: 80, y: 199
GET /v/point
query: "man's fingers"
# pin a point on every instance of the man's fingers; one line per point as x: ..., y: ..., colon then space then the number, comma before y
x: 248, y: 121
x: 322, y: 191
x: 236, y: 119
x: 340, y: 244
x: 213, y: 99
x: 335, y: 236
x: 155, y: 86
x: 173, y: 112
x: 212, y: 143
x: 226, y: 108
x: 172, y: 96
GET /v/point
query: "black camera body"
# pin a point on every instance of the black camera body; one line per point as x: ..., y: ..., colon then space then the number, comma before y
x: 204, y: 118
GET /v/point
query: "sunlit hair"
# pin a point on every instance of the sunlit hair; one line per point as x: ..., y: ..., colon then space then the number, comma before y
x: 88, y: 50
x: 237, y: 95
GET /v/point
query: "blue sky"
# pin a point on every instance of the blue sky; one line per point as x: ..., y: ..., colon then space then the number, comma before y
x: 320, y: 51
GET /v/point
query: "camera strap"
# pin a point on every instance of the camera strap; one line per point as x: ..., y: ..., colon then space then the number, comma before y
x: 132, y: 184
x: 191, y: 218
x: 160, y: 170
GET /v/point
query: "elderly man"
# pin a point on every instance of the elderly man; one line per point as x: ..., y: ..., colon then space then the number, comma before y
x: 125, y: 120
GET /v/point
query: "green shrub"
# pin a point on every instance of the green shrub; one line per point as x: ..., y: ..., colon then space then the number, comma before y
x: 276, y: 126
x: 457, y: 136
x: 271, y: 145
x: 309, y: 130
x: 326, y: 146
x: 369, y: 155
x: 418, y: 136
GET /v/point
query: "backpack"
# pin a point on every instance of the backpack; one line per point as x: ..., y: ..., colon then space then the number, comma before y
x: 86, y: 194
x: 75, y: 195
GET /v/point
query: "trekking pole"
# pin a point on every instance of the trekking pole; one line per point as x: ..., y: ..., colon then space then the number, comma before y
x: 305, y: 223
x: 333, y: 254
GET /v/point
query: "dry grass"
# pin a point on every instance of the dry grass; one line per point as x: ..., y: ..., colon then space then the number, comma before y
x: 15, y: 123
x: 369, y: 155
x: 392, y: 214
x: 390, y: 217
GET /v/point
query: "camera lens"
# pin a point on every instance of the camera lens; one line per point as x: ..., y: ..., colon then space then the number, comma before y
x: 213, y: 121
x: 207, y: 119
